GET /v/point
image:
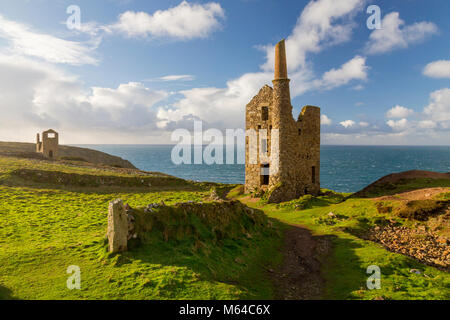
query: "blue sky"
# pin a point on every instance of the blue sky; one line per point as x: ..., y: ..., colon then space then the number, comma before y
x: 137, y: 70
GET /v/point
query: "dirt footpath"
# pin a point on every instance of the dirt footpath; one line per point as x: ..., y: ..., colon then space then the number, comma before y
x: 299, y: 277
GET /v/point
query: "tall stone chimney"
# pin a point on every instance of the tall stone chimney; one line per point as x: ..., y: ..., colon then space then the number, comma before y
x: 280, y: 61
x: 281, y: 116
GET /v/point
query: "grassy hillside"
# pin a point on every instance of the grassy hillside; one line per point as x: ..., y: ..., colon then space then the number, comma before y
x: 53, y: 215
x: 46, y: 227
x: 344, y: 221
x: 27, y: 150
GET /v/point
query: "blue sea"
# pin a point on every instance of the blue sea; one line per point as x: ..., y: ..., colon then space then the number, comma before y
x: 343, y: 168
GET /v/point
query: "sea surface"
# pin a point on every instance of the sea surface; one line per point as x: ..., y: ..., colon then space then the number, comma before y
x: 343, y: 168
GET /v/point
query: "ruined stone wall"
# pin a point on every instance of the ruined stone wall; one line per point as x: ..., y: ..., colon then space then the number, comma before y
x: 309, y: 124
x: 299, y: 147
x: 296, y: 170
x: 254, y: 121
x: 299, y: 153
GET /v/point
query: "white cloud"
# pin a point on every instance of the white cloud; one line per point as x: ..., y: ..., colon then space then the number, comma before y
x: 322, y: 23
x: 24, y: 41
x: 185, y: 21
x: 126, y: 96
x: 347, y: 123
x: 49, y: 97
x: 399, y: 112
x: 423, y: 128
x: 177, y: 77
x: 359, y: 104
x: 354, y: 69
x: 398, y: 125
x: 207, y: 103
x: 439, y: 107
x: 325, y: 120
x: 427, y: 124
x: 395, y: 35
x: 438, y: 69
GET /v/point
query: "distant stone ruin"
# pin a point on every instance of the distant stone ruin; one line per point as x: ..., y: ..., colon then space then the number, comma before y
x: 49, y: 144
x: 298, y: 163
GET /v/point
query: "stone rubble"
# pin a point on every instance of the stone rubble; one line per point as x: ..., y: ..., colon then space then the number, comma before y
x: 418, y: 244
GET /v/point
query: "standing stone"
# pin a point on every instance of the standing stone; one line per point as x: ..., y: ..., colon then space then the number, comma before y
x: 117, y: 226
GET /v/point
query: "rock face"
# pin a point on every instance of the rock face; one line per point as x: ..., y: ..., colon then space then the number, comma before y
x: 296, y: 170
x: 117, y: 227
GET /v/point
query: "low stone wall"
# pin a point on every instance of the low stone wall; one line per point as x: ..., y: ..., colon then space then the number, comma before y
x: 90, y: 180
x: 210, y: 221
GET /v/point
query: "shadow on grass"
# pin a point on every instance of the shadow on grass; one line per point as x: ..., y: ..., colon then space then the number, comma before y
x: 343, y: 270
x: 181, y: 187
x: 239, y: 261
x: 6, y: 294
x: 330, y: 269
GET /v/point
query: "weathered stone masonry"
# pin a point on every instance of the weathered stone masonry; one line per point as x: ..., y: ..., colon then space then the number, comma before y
x: 298, y: 141
x: 49, y: 144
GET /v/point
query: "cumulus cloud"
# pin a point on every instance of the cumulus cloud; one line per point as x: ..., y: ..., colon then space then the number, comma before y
x: 27, y: 42
x: 49, y: 97
x: 325, y: 120
x: 185, y: 21
x: 398, y: 125
x: 437, y: 69
x: 439, y: 107
x: 396, y: 35
x: 399, y: 112
x: 207, y: 103
x: 427, y: 124
x: 321, y: 24
x: 347, y: 123
x: 355, y: 69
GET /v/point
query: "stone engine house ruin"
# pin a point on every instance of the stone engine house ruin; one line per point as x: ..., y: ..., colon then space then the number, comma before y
x: 298, y: 164
x: 49, y: 144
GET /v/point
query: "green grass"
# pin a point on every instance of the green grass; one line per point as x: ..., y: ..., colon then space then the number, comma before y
x: 42, y: 232
x: 46, y: 226
x: 345, y: 269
